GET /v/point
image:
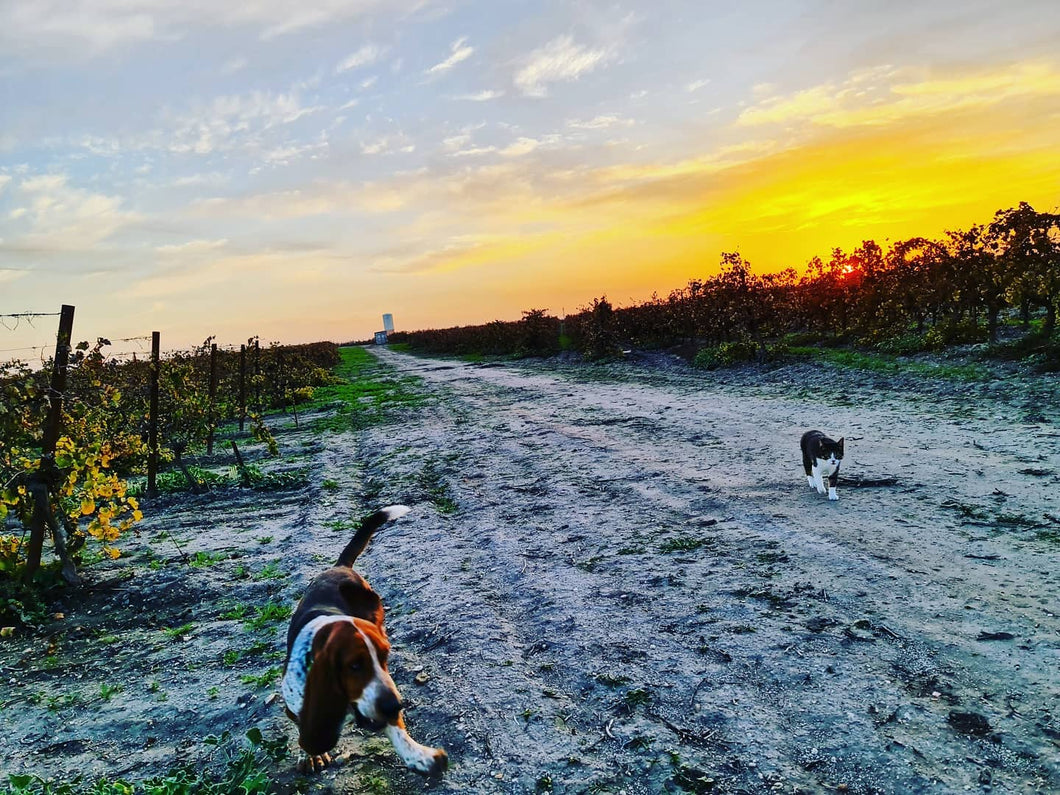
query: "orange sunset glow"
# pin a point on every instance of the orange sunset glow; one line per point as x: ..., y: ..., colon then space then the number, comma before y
x: 301, y: 200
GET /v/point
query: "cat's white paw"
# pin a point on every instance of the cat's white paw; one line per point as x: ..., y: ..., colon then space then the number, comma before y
x: 832, y: 494
x: 820, y: 488
x: 809, y: 479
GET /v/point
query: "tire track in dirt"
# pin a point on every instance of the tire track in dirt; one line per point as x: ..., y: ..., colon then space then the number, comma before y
x: 639, y: 593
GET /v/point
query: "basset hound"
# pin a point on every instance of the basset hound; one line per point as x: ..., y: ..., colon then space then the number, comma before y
x: 337, y: 663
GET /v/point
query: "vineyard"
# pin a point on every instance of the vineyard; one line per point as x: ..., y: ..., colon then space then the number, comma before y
x: 916, y: 295
x: 84, y: 435
x: 613, y: 579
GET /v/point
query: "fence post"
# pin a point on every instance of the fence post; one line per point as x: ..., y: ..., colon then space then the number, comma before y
x: 212, y: 417
x: 257, y: 372
x: 281, y: 389
x: 152, y: 427
x: 242, y: 386
x: 47, y: 472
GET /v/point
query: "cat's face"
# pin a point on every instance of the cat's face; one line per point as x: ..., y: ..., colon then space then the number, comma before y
x: 829, y: 450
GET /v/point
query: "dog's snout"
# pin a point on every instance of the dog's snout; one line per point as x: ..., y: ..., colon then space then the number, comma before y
x: 389, y: 706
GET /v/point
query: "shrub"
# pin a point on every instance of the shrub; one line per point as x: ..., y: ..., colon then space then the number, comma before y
x: 726, y: 354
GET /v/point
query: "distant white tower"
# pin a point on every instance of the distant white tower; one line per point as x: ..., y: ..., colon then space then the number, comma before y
x: 388, y: 322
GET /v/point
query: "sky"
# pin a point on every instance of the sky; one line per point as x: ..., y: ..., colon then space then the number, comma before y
x: 294, y: 170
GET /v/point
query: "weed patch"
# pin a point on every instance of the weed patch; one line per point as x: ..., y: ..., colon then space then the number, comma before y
x: 683, y: 544
x: 437, y: 490
x: 244, y: 771
x: 885, y: 363
x: 268, y: 613
x: 366, y: 393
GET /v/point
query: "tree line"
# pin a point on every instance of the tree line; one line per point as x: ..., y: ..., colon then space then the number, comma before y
x: 916, y: 294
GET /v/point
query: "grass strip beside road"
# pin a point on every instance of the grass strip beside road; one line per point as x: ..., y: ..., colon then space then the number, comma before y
x: 366, y: 392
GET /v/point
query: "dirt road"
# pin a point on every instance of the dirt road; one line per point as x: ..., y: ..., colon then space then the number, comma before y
x: 638, y: 592
x: 615, y: 579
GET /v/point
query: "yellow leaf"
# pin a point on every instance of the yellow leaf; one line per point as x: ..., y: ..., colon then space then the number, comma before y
x: 87, y: 506
x: 6, y: 632
x: 112, y: 552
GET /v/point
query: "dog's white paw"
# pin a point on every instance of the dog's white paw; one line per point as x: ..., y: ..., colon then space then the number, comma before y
x: 420, y: 758
x: 432, y: 763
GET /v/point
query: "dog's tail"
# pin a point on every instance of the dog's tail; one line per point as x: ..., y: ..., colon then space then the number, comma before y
x: 368, y: 527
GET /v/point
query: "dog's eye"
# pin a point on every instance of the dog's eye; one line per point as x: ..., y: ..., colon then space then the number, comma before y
x: 356, y: 667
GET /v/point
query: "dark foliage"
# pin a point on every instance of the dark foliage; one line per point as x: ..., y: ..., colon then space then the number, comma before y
x: 918, y: 295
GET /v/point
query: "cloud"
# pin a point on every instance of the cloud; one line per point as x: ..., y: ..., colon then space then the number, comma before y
x: 600, y: 123
x: 221, y: 123
x: 561, y: 60
x: 885, y: 95
x: 79, y: 28
x: 521, y: 146
x: 481, y: 96
x: 212, y: 179
x: 459, y: 51
x: 233, y: 65
x: 368, y: 54
x: 53, y: 215
x: 10, y: 274
x: 192, y: 247
x: 695, y: 85
x: 388, y: 145
x: 270, y: 206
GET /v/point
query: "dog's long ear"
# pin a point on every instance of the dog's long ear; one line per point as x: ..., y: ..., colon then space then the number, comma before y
x: 325, y: 703
x: 362, y: 601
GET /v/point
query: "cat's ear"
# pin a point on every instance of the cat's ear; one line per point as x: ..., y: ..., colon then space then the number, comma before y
x: 840, y: 443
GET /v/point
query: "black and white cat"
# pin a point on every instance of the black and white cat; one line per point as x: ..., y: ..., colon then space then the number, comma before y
x: 820, y: 458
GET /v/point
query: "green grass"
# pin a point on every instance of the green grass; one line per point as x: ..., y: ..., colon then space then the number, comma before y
x: 263, y: 679
x: 245, y: 771
x: 636, y: 697
x: 683, y: 544
x: 268, y: 613
x: 367, y: 392
x: 432, y: 480
x: 884, y: 363
x: 202, y: 560
x: 181, y: 631
x: 271, y: 571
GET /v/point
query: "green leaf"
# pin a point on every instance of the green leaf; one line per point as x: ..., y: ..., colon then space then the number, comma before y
x: 254, y: 735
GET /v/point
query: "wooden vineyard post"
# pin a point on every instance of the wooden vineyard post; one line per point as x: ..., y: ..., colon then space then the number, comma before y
x: 152, y: 427
x: 257, y: 373
x: 47, y: 475
x: 212, y: 416
x: 242, y: 386
x: 281, y: 389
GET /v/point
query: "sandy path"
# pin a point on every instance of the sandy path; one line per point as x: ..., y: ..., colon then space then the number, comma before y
x: 638, y: 592
x: 615, y: 579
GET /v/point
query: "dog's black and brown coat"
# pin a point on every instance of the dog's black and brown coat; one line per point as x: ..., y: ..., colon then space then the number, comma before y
x: 336, y: 663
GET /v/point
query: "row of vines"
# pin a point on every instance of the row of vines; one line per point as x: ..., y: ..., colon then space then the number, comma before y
x: 81, y: 483
x: 918, y: 294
